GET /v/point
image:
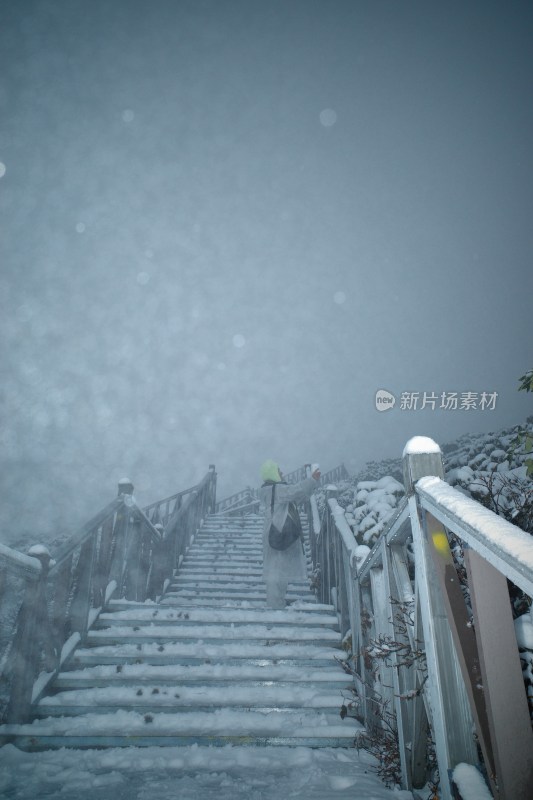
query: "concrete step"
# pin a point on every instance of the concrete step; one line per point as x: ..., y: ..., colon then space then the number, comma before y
x: 224, y: 570
x: 245, y: 595
x: 244, y: 562
x: 230, y: 555
x: 162, y: 634
x: 245, y: 567
x: 249, y: 674
x: 308, y: 728
x: 139, y: 616
x: 187, y: 699
x: 254, y: 536
x: 242, y: 585
x: 222, y: 580
x: 195, y: 653
x: 192, y: 600
x: 296, y: 605
x: 212, y: 545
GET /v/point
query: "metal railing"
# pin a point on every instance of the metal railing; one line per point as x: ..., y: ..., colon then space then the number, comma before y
x: 432, y: 640
x: 47, y: 605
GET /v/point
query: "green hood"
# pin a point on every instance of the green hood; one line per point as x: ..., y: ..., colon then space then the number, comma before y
x: 270, y: 471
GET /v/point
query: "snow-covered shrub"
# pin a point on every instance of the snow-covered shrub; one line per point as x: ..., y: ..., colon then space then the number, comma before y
x: 368, y: 505
x: 375, y: 502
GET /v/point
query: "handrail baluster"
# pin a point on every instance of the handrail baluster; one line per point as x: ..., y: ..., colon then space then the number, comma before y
x: 61, y: 600
x: 81, y: 601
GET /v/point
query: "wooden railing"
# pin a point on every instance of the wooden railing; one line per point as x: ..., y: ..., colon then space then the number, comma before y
x: 247, y: 500
x: 443, y: 673
x: 241, y: 502
x: 48, y: 604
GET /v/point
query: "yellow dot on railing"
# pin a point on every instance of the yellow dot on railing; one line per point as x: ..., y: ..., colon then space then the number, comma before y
x: 440, y: 541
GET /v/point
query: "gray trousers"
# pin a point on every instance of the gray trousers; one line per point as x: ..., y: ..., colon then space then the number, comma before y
x: 275, y: 592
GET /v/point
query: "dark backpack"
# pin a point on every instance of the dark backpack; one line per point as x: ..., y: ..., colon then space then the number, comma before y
x: 292, y: 527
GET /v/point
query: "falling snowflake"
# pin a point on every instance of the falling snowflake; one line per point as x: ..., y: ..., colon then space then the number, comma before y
x: 328, y: 117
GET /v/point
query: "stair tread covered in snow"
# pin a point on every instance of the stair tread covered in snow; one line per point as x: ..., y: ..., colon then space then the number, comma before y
x: 207, y: 664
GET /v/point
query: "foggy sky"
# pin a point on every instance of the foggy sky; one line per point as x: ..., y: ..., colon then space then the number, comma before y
x: 225, y: 225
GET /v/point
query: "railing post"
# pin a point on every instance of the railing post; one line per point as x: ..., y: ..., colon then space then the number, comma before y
x: 120, y: 536
x: 133, y: 579
x: 410, y: 698
x: 156, y: 578
x: 125, y: 486
x: 358, y: 637
x: 397, y: 674
x: 344, y: 592
x: 33, y: 634
x: 328, y: 569
x: 103, y: 566
x: 503, y: 685
x: 451, y: 718
x: 372, y: 701
x: 382, y: 627
x: 212, y: 490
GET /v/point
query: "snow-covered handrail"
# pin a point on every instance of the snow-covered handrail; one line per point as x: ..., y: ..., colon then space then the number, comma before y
x: 18, y: 563
x: 121, y: 550
x: 344, y: 530
x: 160, y: 511
x: 334, y: 475
x: 502, y: 544
x: 78, y: 539
x: 417, y: 659
x: 334, y: 552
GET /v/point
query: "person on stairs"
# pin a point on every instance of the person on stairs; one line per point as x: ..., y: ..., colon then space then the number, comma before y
x: 279, y: 499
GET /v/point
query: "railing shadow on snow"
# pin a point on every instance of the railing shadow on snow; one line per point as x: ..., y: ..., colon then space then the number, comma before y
x: 432, y: 640
x: 48, y: 604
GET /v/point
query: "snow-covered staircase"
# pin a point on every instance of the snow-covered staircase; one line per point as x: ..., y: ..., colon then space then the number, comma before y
x: 208, y: 665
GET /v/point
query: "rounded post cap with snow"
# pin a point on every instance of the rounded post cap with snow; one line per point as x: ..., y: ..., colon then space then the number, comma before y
x: 421, y: 456
x: 39, y: 551
x: 125, y: 486
x: 42, y: 553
